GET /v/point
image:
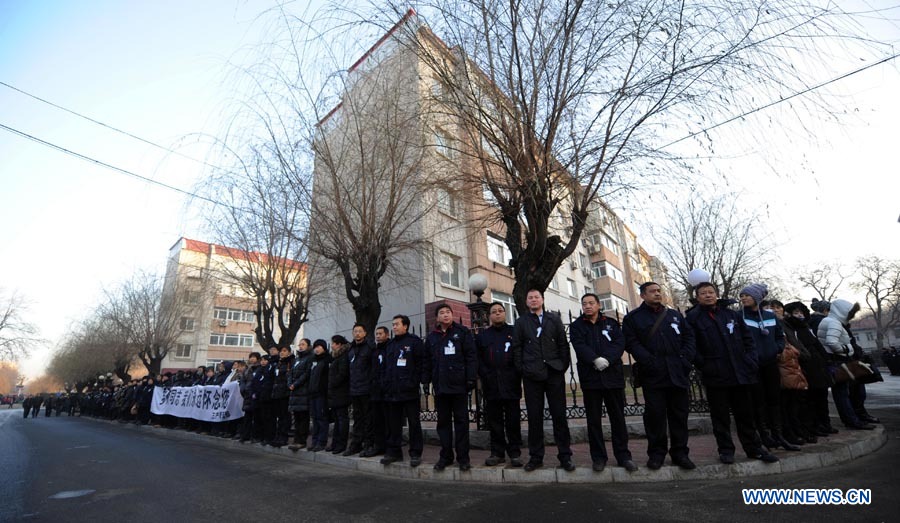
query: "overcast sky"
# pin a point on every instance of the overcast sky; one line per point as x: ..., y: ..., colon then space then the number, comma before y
x: 159, y: 69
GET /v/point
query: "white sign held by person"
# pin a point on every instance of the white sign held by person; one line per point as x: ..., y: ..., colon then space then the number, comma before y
x: 200, y: 402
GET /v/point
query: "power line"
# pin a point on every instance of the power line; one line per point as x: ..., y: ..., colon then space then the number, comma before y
x: 780, y: 100
x: 108, y: 166
x: 110, y: 127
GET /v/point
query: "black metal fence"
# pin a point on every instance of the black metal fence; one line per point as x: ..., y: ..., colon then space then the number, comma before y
x: 634, y: 400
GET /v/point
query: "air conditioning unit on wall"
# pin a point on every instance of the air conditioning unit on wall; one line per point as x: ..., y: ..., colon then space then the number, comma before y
x: 223, y: 323
x: 587, y: 273
x: 573, y: 264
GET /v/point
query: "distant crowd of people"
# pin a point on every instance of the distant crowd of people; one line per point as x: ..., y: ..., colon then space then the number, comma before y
x: 766, y: 364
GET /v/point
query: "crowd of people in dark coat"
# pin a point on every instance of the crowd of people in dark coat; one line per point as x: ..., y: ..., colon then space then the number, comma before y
x: 766, y: 364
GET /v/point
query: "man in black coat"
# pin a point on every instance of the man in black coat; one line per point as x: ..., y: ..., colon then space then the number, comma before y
x: 726, y: 356
x: 339, y: 393
x: 281, y: 397
x: 663, y: 345
x: 403, y: 372
x: 298, y: 404
x: 541, y: 354
x: 452, y: 367
x: 26, y: 406
x: 501, y: 385
x: 377, y: 405
x: 599, y: 345
x: 360, y: 390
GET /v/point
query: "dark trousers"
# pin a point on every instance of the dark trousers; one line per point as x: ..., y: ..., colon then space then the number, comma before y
x: 554, y: 389
x: 26, y: 412
x: 504, y: 422
x: 282, y: 419
x: 379, y: 416
x: 736, y: 400
x: 319, y: 414
x: 790, y: 413
x: 453, y: 426
x: 361, y: 435
x: 301, y: 426
x: 341, y: 430
x: 247, y: 425
x: 397, y: 412
x: 818, y: 399
x: 840, y: 392
x: 767, y: 399
x: 665, y: 407
x: 264, y: 421
x: 615, y: 410
x: 858, y: 399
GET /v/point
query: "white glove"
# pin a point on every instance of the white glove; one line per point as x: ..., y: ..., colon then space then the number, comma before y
x: 601, y: 363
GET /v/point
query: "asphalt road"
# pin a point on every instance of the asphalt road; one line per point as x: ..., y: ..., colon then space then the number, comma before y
x: 64, y: 469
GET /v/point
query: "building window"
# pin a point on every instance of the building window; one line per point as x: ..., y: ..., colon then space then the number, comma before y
x: 587, y: 290
x: 573, y: 289
x: 497, y: 250
x: 635, y: 264
x: 602, y: 269
x: 186, y: 324
x: 554, y: 284
x: 443, y: 145
x: 183, y: 351
x: 221, y: 313
x: 447, y: 203
x: 508, y: 303
x: 583, y: 261
x: 191, y: 297
x: 871, y: 337
x: 450, y: 271
x: 611, y: 302
x: 231, y: 340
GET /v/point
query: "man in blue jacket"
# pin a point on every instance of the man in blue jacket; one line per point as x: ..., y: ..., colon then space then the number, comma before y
x: 403, y: 372
x: 501, y: 385
x: 599, y: 346
x: 452, y: 366
x: 726, y: 357
x: 768, y: 338
x: 663, y: 346
x: 541, y: 354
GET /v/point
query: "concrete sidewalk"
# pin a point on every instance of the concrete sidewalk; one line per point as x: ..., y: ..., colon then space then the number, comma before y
x: 844, y: 446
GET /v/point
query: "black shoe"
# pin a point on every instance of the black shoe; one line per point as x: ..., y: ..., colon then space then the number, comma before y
x: 415, y: 461
x: 684, y: 463
x: 767, y: 439
x: 465, y: 467
x: 329, y: 448
x: 441, y: 465
x: 654, y: 464
x: 494, y: 460
x: 866, y: 418
x: 727, y: 459
x: 276, y: 444
x: 351, y: 451
x: 567, y: 465
x: 515, y: 462
x: 783, y: 443
x: 387, y: 460
x: 629, y: 465
x: 861, y: 426
x: 368, y: 453
x: 338, y: 450
x: 598, y: 466
x: 831, y: 430
x: 794, y: 440
x: 533, y: 465
x: 764, y: 456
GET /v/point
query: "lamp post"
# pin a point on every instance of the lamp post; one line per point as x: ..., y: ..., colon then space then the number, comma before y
x: 479, y: 312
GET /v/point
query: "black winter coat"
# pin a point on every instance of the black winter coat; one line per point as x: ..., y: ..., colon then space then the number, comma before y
x: 537, y: 346
x: 261, y: 388
x: 318, y: 375
x: 298, y: 377
x: 768, y: 346
x: 404, y: 364
x: 361, y: 368
x: 602, y: 339
x: 726, y: 354
x: 665, y: 360
x: 499, y: 378
x: 280, y: 381
x: 379, y: 359
x: 339, y: 379
x: 451, y: 361
x: 815, y: 368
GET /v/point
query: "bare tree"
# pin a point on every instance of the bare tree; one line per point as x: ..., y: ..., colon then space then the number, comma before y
x: 718, y: 236
x: 17, y: 335
x: 149, y: 314
x: 9, y: 377
x: 565, y: 101
x: 825, y: 280
x: 880, y: 280
x: 83, y: 356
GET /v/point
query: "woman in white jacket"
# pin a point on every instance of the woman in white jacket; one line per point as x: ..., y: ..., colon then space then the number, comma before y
x: 836, y: 340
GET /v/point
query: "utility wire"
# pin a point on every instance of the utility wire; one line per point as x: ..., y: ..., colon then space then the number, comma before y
x: 110, y: 127
x: 780, y: 100
x: 108, y: 166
